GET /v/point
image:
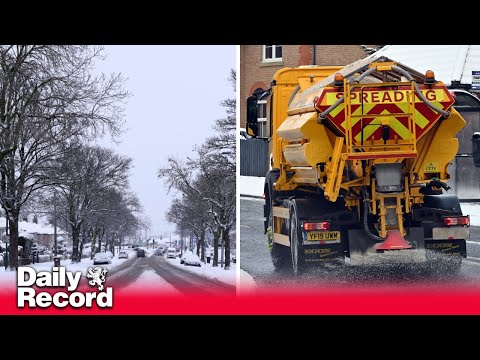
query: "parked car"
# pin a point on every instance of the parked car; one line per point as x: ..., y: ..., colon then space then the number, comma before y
x: 171, y: 253
x: 123, y: 255
x: 101, y: 258
x: 182, y: 259
x: 192, y: 259
x: 109, y: 253
x: 162, y: 249
x: 140, y: 252
x: 158, y: 251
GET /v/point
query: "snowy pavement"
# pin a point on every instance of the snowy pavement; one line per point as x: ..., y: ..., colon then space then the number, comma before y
x: 251, y: 186
x: 472, y: 209
x: 208, y: 271
x: 246, y: 284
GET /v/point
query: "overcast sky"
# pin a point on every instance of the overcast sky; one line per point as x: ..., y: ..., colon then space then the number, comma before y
x: 176, y: 98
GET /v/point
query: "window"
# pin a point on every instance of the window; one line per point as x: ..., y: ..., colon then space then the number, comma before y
x: 272, y: 53
x: 262, y: 118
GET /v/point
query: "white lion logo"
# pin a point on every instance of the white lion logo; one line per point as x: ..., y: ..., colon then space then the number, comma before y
x: 98, y: 277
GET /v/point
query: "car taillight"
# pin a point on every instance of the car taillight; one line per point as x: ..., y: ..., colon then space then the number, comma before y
x: 324, y: 225
x: 456, y: 221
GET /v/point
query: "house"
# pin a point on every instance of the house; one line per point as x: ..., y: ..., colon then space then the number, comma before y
x: 43, y: 234
x: 258, y: 64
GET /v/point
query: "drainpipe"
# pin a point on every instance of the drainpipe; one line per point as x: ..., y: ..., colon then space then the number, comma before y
x: 314, y: 60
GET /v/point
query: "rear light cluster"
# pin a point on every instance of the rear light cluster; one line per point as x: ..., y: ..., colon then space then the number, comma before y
x: 456, y: 220
x: 309, y: 226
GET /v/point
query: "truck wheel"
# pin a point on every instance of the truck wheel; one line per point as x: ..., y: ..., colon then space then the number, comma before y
x: 280, y: 254
x: 298, y: 262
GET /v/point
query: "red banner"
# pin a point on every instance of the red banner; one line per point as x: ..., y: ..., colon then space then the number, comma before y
x: 295, y: 301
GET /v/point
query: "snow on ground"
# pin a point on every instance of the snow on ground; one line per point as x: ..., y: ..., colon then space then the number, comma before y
x: 251, y: 185
x: 208, y: 271
x: 246, y: 284
x: 472, y: 209
x: 149, y: 279
x: 9, y: 278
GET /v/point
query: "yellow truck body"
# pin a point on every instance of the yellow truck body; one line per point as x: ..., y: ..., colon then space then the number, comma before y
x: 376, y: 138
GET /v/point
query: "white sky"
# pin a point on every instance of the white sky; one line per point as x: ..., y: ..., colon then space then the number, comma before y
x: 176, y: 98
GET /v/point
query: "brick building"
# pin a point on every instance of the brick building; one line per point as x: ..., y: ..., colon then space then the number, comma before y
x: 258, y: 64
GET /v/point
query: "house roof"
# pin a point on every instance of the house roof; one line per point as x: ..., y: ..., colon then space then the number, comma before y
x: 33, y: 228
x: 449, y: 62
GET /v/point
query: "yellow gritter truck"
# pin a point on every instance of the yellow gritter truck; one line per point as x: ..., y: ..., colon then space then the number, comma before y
x: 359, y: 167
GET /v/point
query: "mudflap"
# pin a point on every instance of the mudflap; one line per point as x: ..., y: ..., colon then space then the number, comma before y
x: 456, y: 247
x: 316, y: 209
x: 361, y: 251
x: 315, y: 254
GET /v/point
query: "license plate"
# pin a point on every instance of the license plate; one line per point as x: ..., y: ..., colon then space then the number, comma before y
x: 323, y: 235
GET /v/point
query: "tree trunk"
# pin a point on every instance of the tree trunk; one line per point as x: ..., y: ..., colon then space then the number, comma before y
x: 202, y: 245
x: 226, y: 244
x: 94, y: 240
x: 112, y: 246
x: 216, y: 237
x: 13, y: 246
x: 81, y: 252
x: 75, y: 239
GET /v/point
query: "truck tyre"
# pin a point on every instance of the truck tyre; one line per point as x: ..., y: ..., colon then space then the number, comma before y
x: 280, y: 254
x: 298, y: 261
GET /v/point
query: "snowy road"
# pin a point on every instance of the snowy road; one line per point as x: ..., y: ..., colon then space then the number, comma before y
x: 161, y: 274
x: 255, y: 260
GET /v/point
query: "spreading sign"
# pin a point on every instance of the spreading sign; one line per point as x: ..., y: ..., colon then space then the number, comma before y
x: 373, y: 101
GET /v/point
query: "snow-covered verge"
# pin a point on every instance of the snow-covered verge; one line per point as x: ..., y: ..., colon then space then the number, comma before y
x: 246, y: 284
x: 208, y: 271
x: 9, y: 278
x: 472, y: 209
x: 251, y: 185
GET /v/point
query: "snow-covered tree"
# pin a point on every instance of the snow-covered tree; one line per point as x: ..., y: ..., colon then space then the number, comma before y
x: 210, y: 177
x: 47, y: 97
x: 86, y: 177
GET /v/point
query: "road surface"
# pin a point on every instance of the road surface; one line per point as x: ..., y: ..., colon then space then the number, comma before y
x: 156, y: 272
x: 255, y: 260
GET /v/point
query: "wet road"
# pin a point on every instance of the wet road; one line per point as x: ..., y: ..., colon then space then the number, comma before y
x: 255, y: 259
x: 184, y: 282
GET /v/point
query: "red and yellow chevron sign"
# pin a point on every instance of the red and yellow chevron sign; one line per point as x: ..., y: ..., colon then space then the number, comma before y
x: 373, y: 101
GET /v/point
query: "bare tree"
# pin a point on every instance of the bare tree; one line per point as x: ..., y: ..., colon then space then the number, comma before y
x: 86, y: 177
x: 213, y: 179
x: 117, y: 216
x: 47, y: 97
x: 189, y: 212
